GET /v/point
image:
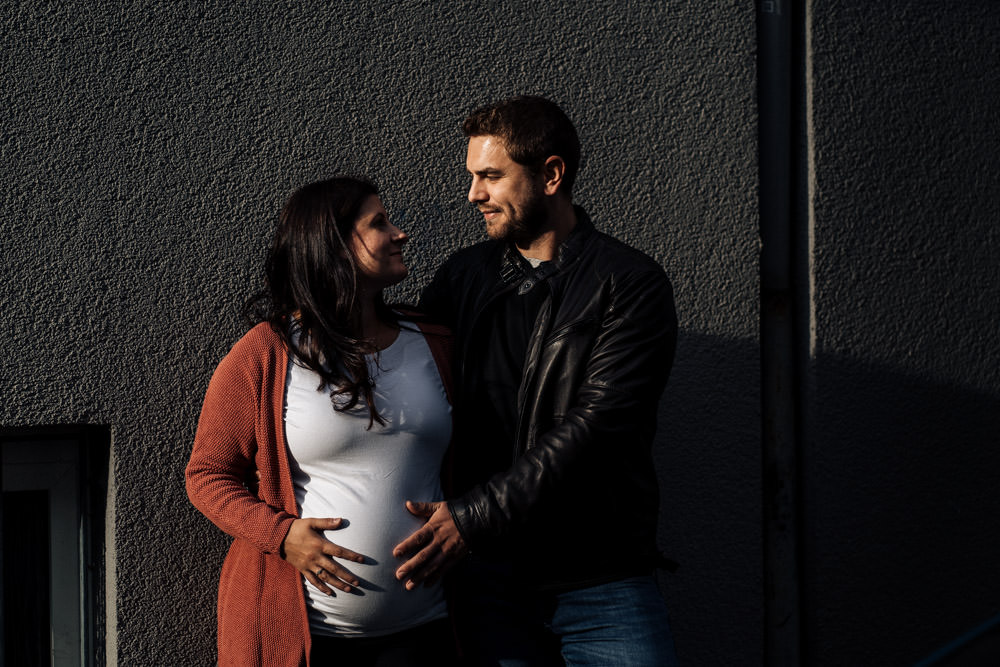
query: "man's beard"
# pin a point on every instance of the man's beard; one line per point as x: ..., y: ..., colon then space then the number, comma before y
x: 527, y: 225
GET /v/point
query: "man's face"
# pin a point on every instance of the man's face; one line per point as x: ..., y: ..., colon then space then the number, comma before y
x: 508, y: 194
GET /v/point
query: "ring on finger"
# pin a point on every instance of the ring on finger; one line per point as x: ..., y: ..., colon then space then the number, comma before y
x: 320, y: 572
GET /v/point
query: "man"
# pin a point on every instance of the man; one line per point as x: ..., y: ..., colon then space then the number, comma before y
x: 565, y: 338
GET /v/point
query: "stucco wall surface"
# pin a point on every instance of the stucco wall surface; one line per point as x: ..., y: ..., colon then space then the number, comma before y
x: 147, y: 148
x: 903, y: 408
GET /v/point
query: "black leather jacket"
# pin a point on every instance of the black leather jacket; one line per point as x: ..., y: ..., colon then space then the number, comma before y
x: 578, y: 504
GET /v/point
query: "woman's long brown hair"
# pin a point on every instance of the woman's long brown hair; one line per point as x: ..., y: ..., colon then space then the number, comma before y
x: 311, y: 297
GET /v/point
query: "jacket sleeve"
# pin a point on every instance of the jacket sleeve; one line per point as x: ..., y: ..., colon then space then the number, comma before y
x: 614, y: 409
x: 223, y: 456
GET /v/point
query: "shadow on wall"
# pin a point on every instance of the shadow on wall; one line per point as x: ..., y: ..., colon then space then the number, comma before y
x: 707, y: 455
x: 902, y: 522
x: 900, y: 510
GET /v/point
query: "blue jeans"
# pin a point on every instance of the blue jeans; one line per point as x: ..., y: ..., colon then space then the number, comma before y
x: 623, y: 622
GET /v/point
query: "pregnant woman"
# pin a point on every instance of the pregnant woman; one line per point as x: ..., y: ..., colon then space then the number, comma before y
x: 335, y: 408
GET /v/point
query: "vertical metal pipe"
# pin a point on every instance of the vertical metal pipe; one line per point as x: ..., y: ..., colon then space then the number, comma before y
x: 782, y: 638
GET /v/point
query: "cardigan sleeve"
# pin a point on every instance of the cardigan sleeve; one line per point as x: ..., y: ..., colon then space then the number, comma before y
x: 237, y: 411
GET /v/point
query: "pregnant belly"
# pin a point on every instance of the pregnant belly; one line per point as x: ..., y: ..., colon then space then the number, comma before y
x: 380, y: 605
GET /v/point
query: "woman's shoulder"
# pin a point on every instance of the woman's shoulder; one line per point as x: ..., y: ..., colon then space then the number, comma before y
x: 259, y: 347
x: 261, y: 338
x: 263, y: 333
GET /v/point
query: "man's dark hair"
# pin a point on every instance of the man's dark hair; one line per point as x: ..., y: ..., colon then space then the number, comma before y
x: 532, y: 129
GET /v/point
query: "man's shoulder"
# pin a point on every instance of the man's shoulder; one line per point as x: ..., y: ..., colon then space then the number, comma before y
x: 485, y: 247
x: 473, y: 256
x: 462, y: 273
x: 633, y: 277
x: 607, y: 253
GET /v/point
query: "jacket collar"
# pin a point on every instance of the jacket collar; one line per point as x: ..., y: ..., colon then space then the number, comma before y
x: 515, y: 267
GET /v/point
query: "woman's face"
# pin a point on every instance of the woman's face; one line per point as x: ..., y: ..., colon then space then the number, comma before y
x: 377, y: 246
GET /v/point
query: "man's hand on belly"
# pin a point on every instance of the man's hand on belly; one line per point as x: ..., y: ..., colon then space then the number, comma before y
x: 433, y: 549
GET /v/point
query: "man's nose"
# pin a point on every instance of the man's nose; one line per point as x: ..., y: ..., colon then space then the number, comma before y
x: 476, y: 191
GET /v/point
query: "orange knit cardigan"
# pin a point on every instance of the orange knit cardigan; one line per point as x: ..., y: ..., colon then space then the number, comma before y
x: 261, y: 608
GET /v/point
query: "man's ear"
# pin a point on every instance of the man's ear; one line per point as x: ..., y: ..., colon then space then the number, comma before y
x: 552, y: 172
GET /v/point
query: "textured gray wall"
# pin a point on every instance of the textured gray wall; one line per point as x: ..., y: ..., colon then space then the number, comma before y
x: 903, y: 404
x: 147, y: 148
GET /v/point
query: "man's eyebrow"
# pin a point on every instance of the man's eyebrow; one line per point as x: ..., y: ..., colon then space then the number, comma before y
x: 486, y: 171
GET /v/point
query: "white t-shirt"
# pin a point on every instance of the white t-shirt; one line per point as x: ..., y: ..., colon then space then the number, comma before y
x: 340, y: 469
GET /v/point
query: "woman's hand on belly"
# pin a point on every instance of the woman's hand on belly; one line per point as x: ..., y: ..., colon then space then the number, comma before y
x: 312, y: 555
